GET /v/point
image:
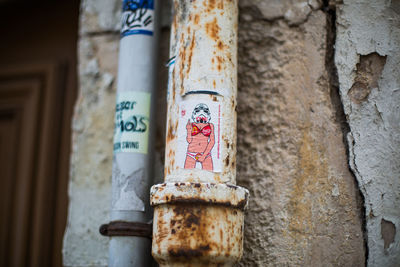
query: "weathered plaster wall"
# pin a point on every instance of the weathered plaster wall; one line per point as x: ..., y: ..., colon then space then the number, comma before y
x: 304, y: 205
x: 90, y: 171
x: 305, y: 208
x: 368, y: 60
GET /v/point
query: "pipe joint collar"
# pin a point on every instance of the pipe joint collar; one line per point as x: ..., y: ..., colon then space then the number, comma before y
x: 228, y: 195
x: 198, y: 224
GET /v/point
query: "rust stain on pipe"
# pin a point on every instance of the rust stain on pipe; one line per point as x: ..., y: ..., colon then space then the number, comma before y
x: 213, y: 29
x: 194, y: 233
x: 198, y: 222
x: 199, y: 214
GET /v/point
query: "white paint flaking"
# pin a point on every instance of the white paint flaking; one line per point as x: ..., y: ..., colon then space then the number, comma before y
x: 366, y: 27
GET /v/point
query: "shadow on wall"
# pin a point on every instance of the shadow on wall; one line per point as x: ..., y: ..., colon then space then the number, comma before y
x: 37, y: 93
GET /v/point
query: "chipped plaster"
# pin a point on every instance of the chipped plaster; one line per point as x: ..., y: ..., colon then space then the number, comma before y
x: 369, y: 32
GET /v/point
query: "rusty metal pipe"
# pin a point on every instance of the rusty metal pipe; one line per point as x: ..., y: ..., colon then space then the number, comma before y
x: 198, y: 211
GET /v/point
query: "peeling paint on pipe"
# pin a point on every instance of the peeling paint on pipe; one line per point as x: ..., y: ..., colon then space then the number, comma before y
x: 198, y: 211
x: 204, y: 41
x: 198, y: 224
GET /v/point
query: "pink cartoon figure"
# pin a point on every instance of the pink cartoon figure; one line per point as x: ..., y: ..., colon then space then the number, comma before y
x: 200, y: 136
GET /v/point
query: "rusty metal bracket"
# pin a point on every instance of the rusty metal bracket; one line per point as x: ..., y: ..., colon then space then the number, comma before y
x: 122, y: 228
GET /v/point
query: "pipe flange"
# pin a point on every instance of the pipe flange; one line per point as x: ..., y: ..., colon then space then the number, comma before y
x: 198, y: 224
x: 228, y: 195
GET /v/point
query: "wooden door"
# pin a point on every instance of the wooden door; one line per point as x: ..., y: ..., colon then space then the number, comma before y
x: 37, y: 91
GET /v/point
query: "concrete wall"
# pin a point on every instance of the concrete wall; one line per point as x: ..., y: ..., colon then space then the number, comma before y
x: 308, y: 183
x: 305, y: 206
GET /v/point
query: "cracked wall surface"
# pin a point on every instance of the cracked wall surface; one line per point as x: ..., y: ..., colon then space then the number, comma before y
x: 91, y: 159
x: 367, y: 59
x: 306, y: 208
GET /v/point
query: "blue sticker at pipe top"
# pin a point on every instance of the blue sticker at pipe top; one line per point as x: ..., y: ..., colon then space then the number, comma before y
x: 137, y: 17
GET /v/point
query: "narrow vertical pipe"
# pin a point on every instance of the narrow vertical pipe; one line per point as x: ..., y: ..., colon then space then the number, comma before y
x: 198, y: 211
x: 134, y: 129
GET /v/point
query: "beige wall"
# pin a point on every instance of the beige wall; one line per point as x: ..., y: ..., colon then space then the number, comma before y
x: 306, y: 208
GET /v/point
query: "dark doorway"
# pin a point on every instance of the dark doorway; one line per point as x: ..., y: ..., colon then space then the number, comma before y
x: 37, y: 93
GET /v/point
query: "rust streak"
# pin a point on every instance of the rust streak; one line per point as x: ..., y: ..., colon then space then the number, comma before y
x: 182, y: 56
x: 191, y: 48
x: 196, y: 19
x: 220, y: 45
x: 173, y: 85
x: 220, y: 62
x: 227, y: 161
x: 212, y: 29
x: 170, y: 133
x: 185, y: 252
x: 211, y: 4
x: 221, y: 4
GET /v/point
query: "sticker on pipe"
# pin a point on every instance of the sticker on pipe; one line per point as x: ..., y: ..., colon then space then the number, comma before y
x: 131, y: 126
x: 199, y: 136
x: 137, y: 17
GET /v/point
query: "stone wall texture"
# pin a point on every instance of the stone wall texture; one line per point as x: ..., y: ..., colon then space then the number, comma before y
x: 91, y: 159
x: 318, y: 131
x: 305, y: 205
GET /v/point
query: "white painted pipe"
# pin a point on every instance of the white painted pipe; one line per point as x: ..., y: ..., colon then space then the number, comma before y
x: 134, y: 128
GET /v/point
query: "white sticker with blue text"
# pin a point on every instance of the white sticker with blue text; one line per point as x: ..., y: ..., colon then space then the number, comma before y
x: 137, y: 17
